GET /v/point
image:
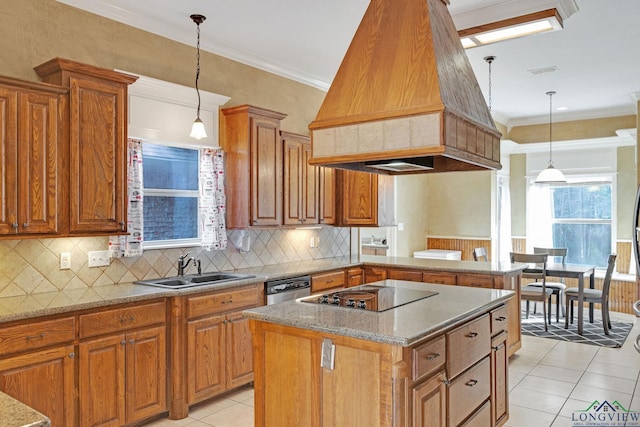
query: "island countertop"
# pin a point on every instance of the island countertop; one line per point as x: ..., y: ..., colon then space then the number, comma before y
x: 16, y: 414
x: 403, y: 325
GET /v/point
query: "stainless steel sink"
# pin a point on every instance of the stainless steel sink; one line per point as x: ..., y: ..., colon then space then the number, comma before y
x: 180, y: 282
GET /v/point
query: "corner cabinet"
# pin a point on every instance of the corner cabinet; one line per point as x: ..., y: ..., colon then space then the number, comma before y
x: 300, y: 181
x: 97, y: 166
x: 251, y: 139
x: 31, y: 152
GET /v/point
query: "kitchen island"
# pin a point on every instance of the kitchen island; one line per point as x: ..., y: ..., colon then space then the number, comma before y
x: 440, y: 360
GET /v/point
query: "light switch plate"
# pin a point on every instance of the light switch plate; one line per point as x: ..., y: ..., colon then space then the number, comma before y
x: 99, y: 258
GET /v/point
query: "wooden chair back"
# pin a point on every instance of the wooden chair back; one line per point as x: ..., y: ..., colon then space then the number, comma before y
x: 606, y: 284
x: 553, y: 253
x: 480, y: 254
x: 537, y: 263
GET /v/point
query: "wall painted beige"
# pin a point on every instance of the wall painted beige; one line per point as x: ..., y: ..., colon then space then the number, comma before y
x: 34, y: 31
x: 626, y: 191
x: 413, y: 196
x: 572, y: 130
x: 460, y: 204
x: 517, y: 189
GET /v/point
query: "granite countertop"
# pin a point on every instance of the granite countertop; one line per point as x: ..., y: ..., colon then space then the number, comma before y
x: 50, y: 303
x: 16, y: 414
x: 402, y: 325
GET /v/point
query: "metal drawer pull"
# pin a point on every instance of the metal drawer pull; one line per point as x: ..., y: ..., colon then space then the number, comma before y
x: 471, y: 383
x: 472, y: 334
x: 33, y: 337
x: 127, y: 319
x: 433, y: 356
x: 230, y: 301
x: 501, y: 319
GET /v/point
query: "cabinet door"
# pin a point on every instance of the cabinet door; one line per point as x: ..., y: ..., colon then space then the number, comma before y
x: 358, y: 198
x: 97, y: 156
x: 327, y: 198
x: 239, y: 351
x: 38, y: 163
x: 266, y: 172
x: 205, y: 358
x: 146, y: 374
x: 355, y: 277
x: 102, y: 381
x: 43, y: 380
x: 8, y: 161
x: 429, y: 402
x: 499, y: 376
x: 293, y: 191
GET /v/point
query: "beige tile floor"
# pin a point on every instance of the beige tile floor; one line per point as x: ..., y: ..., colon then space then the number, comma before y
x: 548, y: 380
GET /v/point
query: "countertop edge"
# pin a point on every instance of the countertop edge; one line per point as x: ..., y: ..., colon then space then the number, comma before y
x: 17, y: 414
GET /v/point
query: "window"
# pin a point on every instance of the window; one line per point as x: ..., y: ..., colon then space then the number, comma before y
x: 170, y: 180
x: 581, y: 221
x: 577, y: 215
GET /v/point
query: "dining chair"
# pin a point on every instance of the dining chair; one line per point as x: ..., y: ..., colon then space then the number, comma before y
x: 594, y: 296
x: 556, y: 287
x: 538, y: 272
x: 480, y: 254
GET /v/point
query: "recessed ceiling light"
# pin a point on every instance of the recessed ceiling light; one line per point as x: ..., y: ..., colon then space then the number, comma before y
x: 543, y: 70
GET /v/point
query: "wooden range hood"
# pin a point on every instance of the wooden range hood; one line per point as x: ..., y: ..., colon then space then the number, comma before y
x: 405, y: 91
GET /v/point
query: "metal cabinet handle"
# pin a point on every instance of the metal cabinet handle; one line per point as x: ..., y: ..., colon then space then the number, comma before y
x: 433, y: 356
x: 14, y: 225
x: 472, y: 334
x: 471, y: 383
x: 501, y: 319
x: 127, y: 319
x: 72, y: 355
x: 25, y: 225
x: 132, y: 341
x: 33, y: 337
x: 123, y: 342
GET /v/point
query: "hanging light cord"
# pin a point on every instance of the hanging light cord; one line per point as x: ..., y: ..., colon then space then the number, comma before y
x: 489, y: 60
x: 198, y: 67
x: 550, y: 93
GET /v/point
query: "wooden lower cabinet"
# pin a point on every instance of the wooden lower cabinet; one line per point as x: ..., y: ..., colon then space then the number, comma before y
x: 43, y: 380
x: 399, y: 274
x: 218, y: 343
x: 430, y: 402
x: 328, y: 281
x: 374, y: 274
x: 355, y: 276
x: 122, y: 378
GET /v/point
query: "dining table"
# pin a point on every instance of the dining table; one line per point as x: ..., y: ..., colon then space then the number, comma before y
x: 580, y: 272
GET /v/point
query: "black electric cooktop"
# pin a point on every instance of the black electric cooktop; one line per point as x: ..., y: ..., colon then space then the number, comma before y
x: 370, y: 297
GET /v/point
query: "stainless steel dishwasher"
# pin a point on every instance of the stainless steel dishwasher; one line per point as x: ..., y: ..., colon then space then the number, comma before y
x: 287, y: 289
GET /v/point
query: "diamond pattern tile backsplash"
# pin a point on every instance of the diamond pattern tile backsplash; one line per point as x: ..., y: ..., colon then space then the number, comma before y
x: 33, y: 265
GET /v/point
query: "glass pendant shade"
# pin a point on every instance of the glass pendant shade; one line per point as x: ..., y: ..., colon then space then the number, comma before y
x: 550, y: 175
x: 197, y: 130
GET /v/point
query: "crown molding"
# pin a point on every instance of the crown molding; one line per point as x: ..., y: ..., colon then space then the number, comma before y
x: 626, y: 137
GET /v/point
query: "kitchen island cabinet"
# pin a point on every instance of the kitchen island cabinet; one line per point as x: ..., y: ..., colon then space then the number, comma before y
x: 321, y: 365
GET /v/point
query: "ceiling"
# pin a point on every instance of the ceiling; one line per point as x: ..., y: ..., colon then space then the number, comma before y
x: 596, y: 54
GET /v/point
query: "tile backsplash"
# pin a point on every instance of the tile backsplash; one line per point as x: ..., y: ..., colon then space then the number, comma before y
x: 33, y: 265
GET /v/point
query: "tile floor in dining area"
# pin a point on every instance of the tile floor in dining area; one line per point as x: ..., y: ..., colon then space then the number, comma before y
x: 548, y: 381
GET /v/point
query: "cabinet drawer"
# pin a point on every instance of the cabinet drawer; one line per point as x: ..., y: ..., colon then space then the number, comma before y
x: 476, y: 280
x: 334, y: 279
x: 36, y: 335
x: 468, y: 391
x: 472, y: 341
x: 231, y: 299
x: 411, y: 275
x: 498, y: 319
x: 439, y: 278
x: 481, y: 418
x: 121, y: 319
x: 428, y: 357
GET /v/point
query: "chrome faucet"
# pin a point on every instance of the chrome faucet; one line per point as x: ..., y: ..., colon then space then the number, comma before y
x: 182, y: 265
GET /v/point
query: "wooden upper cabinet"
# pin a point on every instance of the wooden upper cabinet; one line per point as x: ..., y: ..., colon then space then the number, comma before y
x: 97, y: 144
x: 251, y: 139
x: 327, y: 196
x: 357, y: 196
x: 30, y: 154
x: 300, y: 181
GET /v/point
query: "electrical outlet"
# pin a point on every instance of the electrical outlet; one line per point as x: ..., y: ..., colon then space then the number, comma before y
x: 317, y: 241
x: 65, y: 260
x: 99, y: 258
x: 312, y: 243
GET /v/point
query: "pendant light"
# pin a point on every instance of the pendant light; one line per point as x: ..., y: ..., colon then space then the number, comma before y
x: 197, y: 130
x: 550, y: 175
